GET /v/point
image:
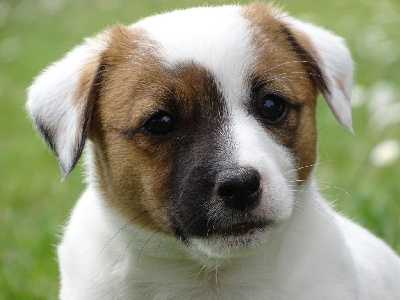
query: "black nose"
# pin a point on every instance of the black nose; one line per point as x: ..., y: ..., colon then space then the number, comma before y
x: 239, y: 188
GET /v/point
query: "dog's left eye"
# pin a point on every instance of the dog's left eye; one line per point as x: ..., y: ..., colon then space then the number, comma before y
x: 160, y: 123
x: 272, y: 108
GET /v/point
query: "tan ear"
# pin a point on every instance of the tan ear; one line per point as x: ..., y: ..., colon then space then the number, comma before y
x: 61, y: 98
x: 334, y: 60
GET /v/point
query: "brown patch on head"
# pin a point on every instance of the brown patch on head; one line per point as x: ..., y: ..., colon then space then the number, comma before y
x: 134, y: 168
x: 285, y: 64
x: 121, y: 169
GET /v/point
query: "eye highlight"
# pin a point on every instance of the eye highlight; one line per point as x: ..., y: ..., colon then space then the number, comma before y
x: 272, y: 108
x: 160, y: 123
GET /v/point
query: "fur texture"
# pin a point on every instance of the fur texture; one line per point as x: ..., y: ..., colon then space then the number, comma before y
x: 200, y: 144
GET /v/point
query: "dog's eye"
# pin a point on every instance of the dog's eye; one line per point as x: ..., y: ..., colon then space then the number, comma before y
x: 160, y: 123
x: 272, y: 108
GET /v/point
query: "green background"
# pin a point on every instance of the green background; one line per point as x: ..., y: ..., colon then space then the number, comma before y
x: 34, y: 203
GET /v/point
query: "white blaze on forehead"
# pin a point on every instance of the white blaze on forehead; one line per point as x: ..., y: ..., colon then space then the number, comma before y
x: 217, y: 38
x: 256, y: 146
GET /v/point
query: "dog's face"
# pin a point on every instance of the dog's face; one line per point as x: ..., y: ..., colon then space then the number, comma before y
x: 201, y: 122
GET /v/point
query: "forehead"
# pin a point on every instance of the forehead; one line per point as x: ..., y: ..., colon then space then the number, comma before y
x: 230, y: 42
x: 216, y: 38
x: 195, y: 34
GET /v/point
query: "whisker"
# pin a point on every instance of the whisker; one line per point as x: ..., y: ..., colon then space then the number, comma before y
x: 334, y: 187
x: 298, y: 72
x: 216, y: 279
x: 321, y: 211
x: 328, y: 186
x: 286, y: 77
x: 299, y: 207
x: 289, y: 62
x: 122, y: 229
x: 203, y: 267
x: 159, y: 245
x: 245, y: 274
x: 318, y: 211
x: 145, y: 244
x: 181, y: 248
x: 308, y: 166
x: 173, y: 246
x: 137, y: 232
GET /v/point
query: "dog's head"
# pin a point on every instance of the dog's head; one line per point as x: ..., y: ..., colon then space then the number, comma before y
x: 201, y: 122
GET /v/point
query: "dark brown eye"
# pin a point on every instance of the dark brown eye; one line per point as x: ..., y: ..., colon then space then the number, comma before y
x: 272, y: 108
x: 160, y: 123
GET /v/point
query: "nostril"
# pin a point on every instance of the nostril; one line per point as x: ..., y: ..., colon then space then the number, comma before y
x: 238, y: 188
x: 226, y: 191
x: 253, y: 185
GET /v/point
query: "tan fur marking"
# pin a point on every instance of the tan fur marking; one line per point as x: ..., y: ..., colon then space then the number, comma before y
x: 134, y: 172
x: 131, y: 180
x: 283, y: 71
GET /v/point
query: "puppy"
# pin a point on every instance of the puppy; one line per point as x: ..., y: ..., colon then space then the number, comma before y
x: 200, y: 139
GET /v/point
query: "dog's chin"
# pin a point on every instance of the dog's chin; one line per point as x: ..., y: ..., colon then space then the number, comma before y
x: 237, y: 241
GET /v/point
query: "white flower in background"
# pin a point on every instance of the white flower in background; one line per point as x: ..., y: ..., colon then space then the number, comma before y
x: 385, y: 153
x: 383, y: 105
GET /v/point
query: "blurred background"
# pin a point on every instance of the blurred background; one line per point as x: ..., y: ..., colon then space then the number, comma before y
x: 358, y: 173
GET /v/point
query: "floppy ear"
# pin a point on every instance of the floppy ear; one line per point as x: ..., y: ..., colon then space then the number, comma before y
x: 60, y: 101
x: 333, y: 59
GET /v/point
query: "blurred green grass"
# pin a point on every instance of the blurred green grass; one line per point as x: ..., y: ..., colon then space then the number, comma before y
x: 34, y: 203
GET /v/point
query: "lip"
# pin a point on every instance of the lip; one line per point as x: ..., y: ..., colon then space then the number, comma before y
x: 245, y: 228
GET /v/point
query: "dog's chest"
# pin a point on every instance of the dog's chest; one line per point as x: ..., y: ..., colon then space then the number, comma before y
x: 253, y: 277
x: 188, y: 280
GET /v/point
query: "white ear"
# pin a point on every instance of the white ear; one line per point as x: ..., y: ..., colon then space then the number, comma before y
x: 334, y: 60
x: 60, y: 101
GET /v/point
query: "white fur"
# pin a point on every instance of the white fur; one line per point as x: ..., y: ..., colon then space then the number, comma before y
x: 257, y: 149
x: 336, y: 64
x: 317, y: 254
x: 197, y: 42
x: 314, y: 253
x: 51, y: 99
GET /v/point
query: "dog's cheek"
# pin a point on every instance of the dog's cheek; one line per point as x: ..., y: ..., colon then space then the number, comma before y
x: 298, y: 135
x: 134, y: 182
x: 305, y: 144
x: 195, y: 162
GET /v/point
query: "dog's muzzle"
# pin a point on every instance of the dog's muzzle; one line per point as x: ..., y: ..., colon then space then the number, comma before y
x: 238, y: 188
x: 220, y: 203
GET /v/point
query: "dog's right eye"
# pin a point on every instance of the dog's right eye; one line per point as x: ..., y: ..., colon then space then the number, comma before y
x: 160, y: 123
x: 272, y: 108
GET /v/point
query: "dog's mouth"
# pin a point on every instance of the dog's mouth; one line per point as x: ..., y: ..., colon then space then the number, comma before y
x: 243, y: 228
x: 232, y: 239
